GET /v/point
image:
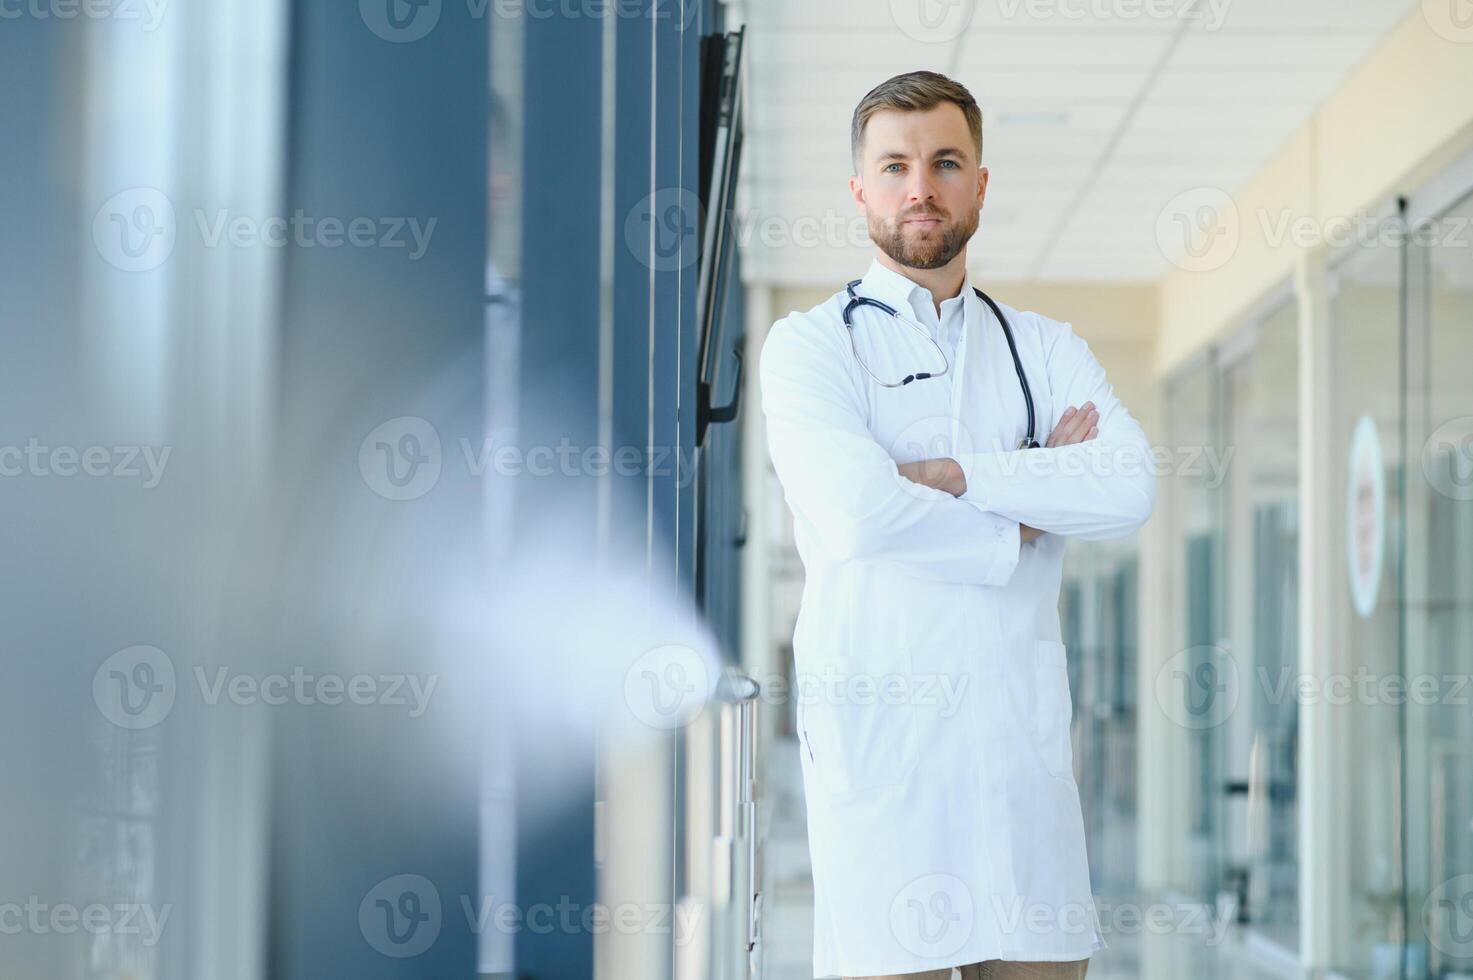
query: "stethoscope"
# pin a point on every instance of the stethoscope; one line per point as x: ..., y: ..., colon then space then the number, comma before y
x: 855, y: 301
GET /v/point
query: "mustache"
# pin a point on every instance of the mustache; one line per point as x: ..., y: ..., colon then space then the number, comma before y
x: 922, y: 213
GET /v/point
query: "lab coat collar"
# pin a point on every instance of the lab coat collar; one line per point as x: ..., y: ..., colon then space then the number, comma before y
x: 907, y: 295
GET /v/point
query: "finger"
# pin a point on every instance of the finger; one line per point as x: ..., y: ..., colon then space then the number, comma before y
x: 1072, y: 431
x: 1053, y: 439
x: 1094, y: 430
x: 1062, y: 429
x: 1085, y: 420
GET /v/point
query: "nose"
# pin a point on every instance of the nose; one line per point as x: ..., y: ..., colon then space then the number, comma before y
x: 921, y: 188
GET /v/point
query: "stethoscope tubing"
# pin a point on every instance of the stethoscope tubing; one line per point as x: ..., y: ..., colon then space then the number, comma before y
x: 855, y: 301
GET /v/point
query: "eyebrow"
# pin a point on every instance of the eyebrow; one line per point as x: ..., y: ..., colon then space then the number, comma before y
x: 948, y: 151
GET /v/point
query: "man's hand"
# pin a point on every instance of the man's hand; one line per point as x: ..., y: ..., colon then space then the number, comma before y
x: 944, y: 473
x: 1076, y: 425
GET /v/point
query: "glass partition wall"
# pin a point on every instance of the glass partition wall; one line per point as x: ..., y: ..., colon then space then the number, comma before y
x: 1234, y: 484
x: 1439, y: 595
x: 1260, y: 500
x: 1098, y: 616
x: 1186, y: 688
x: 1363, y: 497
x: 1396, y: 693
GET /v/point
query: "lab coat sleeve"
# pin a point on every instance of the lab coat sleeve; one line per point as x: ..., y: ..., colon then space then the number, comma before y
x: 845, y: 486
x: 1096, y: 490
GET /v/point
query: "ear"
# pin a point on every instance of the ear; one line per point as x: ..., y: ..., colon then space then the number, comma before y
x: 981, y: 186
x: 856, y: 188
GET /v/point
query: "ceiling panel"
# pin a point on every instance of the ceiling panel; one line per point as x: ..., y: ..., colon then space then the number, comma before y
x: 1095, y: 117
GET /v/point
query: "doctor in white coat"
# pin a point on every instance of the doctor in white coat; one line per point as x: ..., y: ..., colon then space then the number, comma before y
x: 933, y: 695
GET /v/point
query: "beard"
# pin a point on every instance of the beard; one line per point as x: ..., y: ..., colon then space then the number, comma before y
x: 930, y: 249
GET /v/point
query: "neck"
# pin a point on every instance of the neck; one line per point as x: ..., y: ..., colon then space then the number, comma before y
x: 944, y: 282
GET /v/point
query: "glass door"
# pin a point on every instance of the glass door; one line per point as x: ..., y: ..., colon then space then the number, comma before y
x: 1261, y: 427
x: 1190, y: 687
x: 1439, y: 613
x: 1356, y: 694
x: 1098, y: 604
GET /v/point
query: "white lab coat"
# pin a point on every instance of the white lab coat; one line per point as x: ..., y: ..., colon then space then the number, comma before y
x: 933, y: 698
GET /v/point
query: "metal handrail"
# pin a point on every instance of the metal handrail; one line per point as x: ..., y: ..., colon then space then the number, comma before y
x: 741, y: 692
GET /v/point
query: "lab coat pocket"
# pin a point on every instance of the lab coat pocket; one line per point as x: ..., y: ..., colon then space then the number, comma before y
x: 859, y: 726
x: 1053, y: 708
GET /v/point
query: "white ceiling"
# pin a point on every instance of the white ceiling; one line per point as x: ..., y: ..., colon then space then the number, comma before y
x: 1096, y: 114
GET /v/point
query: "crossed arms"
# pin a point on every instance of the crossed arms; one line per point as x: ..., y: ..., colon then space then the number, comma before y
x: 956, y: 519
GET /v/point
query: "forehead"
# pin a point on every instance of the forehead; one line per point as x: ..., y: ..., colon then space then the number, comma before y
x: 917, y: 132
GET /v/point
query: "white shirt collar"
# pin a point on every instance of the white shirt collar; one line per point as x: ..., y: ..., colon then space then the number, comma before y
x: 885, y: 284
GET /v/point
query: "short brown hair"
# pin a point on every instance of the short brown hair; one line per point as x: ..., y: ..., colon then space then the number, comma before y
x: 915, y: 91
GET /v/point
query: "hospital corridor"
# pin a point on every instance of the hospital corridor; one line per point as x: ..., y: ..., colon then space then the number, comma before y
x: 736, y: 489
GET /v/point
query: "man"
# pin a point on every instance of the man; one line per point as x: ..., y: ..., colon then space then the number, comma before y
x: 933, y: 705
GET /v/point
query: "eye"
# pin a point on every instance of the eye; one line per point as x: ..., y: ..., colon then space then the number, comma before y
x: 887, y: 169
x: 950, y: 163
